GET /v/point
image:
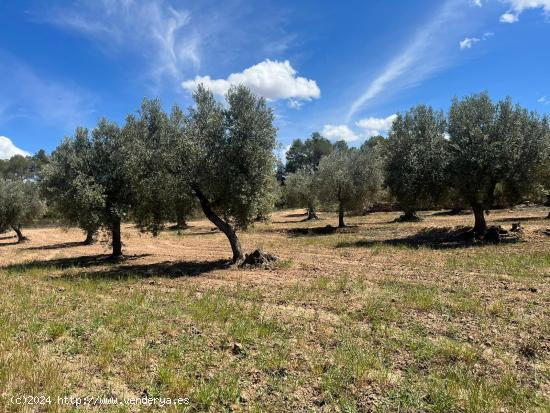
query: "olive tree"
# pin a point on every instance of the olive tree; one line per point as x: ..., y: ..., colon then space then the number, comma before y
x: 20, y: 204
x: 350, y: 179
x: 223, y: 156
x: 301, y: 191
x: 493, y: 146
x: 417, y: 159
x: 87, y: 180
x: 227, y: 157
x: 149, y: 136
x: 70, y: 189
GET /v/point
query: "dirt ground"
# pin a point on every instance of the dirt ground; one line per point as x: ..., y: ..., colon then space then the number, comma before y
x: 380, y: 316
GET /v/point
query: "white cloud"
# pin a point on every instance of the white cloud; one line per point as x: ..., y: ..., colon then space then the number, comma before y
x: 544, y: 100
x: 154, y: 30
x: 376, y: 126
x: 273, y: 80
x: 8, y: 149
x: 339, y: 132
x: 519, y: 6
x: 477, y: 3
x: 509, y: 18
x: 468, y: 42
x: 424, y: 55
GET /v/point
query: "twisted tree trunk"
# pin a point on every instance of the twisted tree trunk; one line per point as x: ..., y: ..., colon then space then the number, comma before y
x: 20, y: 236
x: 311, y: 214
x: 225, y: 227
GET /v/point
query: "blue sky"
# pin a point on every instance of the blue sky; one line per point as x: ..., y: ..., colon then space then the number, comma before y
x: 342, y: 68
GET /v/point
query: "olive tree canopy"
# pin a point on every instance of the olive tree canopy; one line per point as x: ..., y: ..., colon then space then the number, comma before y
x: 222, y: 156
x: 301, y: 190
x: 87, y: 182
x: 20, y: 204
x: 494, y: 145
x: 350, y: 179
x: 68, y: 186
x: 417, y: 159
x: 227, y: 157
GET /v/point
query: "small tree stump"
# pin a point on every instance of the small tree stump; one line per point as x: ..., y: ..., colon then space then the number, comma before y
x: 259, y: 258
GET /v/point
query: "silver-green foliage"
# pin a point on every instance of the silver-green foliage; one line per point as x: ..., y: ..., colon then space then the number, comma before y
x: 417, y: 158
x: 20, y: 204
x: 349, y: 178
x: 222, y: 155
x: 69, y: 186
x: 87, y: 180
x: 301, y: 189
x: 228, y: 152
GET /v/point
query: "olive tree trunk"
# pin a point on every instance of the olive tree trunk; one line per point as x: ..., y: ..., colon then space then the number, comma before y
x: 409, y: 216
x: 89, y: 237
x: 341, y: 223
x: 311, y: 214
x: 20, y: 236
x: 115, y: 233
x: 480, y: 225
x: 225, y: 227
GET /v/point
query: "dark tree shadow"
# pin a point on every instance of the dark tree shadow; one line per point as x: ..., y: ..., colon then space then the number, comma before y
x: 306, y: 219
x: 326, y: 230
x: 296, y: 215
x: 57, y: 246
x: 167, y: 269
x: 451, y: 213
x: 7, y: 237
x: 84, y: 261
x: 521, y: 219
x: 119, y: 269
x: 7, y: 244
x: 434, y: 238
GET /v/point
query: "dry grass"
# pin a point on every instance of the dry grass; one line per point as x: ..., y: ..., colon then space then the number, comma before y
x: 381, y: 317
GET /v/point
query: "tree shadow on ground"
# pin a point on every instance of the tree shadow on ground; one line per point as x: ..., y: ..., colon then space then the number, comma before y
x: 434, y: 238
x: 119, y: 269
x: 7, y: 244
x: 521, y: 219
x: 166, y: 269
x: 326, y: 230
x: 84, y: 261
x: 298, y: 215
x: 7, y: 237
x: 451, y: 213
x: 57, y: 246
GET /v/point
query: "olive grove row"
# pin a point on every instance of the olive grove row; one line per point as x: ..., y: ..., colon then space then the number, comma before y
x: 158, y: 167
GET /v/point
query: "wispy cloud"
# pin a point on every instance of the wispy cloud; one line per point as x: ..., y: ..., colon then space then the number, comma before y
x: 28, y: 95
x: 154, y: 30
x: 468, y: 42
x: 544, y: 100
x: 424, y: 55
